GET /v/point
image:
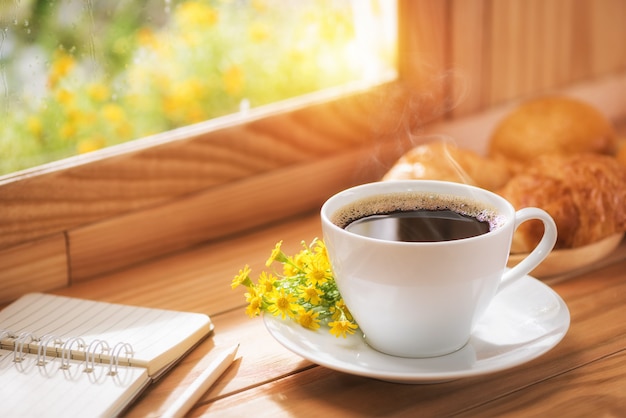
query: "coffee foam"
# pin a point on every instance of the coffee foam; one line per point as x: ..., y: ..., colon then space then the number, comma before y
x: 384, y: 204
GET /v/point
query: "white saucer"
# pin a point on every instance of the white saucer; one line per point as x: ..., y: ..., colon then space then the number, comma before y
x: 524, y: 321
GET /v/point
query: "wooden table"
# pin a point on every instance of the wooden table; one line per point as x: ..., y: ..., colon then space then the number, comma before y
x: 584, y: 375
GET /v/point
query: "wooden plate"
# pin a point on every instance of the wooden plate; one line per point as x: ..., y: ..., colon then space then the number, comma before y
x: 564, y: 261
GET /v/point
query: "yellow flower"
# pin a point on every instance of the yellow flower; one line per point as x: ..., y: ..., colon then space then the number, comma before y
x: 282, y: 303
x: 310, y: 294
x: 61, y: 66
x: 266, y: 282
x: 34, y: 126
x: 113, y: 113
x: 147, y: 38
x: 320, y: 248
x: 64, y: 97
x: 182, y: 102
x: 341, y: 328
x: 98, y: 92
x: 90, y: 144
x: 259, y: 5
x: 233, y: 79
x: 296, y: 295
x: 194, y: 13
x: 259, y: 32
x: 308, y: 319
x: 290, y: 268
x: 242, y: 278
x: 68, y: 131
x: 277, y: 255
x: 254, y: 303
x: 317, y: 271
x: 340, y: 310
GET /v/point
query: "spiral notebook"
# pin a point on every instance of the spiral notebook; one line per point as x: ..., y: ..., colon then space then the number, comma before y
x: 62, y: 356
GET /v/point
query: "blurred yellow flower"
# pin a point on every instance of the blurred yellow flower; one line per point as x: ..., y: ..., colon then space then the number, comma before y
x: 61, y: 66
x: 233, y: 79
x: 34, y: 126
x: 64, y: 97
x: 254, y: 303
x: 276, y: 255
x: 68, y: 131
x: 266, y: 282
x: 259, y: 32
x: 195, y: 14
x: 147, y: 38
x: 182, y: 102
x: 98, y: 92
x: 241, y: 278
x: 91, y: 144
x: 113, y: 113
x: 259, y: 5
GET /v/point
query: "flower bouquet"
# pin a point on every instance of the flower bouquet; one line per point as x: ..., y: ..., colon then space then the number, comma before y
x: 304, y: 291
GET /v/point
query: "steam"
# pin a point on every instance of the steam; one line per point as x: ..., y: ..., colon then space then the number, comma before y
x: 401, y: 114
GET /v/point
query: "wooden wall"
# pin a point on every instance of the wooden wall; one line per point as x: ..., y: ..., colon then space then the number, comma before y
x: 79, y: 218
x: 481, y: 53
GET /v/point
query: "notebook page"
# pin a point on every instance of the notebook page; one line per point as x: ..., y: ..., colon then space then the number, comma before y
x: 158, y: 337
x: 29, y: 389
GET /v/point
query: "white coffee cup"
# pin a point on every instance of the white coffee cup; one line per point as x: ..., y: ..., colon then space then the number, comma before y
x: 422, y: 299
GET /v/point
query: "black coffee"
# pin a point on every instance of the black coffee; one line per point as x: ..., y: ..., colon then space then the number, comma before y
x: 419, y: 226
x: 417, y: 217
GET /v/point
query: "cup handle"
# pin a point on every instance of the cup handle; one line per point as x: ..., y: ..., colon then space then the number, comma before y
x: 540, y: 252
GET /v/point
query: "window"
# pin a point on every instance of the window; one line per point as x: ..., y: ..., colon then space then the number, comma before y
x: 79, y: 75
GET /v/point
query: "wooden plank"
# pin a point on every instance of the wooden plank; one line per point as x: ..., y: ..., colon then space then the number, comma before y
x: 608, y: 51
x: 592, y: 389
x: 35, y: 266
x: 469, y: 50
x: 125, y: 240
x: 199, y: 279
x: 580, y: 41
x: 424, y: 56
x: 566, y: 47
x: 504, y: 37
x: 546, y: 31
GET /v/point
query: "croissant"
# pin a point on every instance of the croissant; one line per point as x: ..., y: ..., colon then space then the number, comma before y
x: 584, y: 193
x: 445, y: 161
x: 552, y: 125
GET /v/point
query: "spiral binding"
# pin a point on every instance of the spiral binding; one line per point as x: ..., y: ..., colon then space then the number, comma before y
x: 90, y: 359
x: 66, y: 354
x: 97, y: 351
x: 115, y: 356
x: 18, y: 346
x: 42, y: 348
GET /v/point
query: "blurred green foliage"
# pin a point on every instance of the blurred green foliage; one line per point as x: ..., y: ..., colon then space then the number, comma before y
x: 79, y: 75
